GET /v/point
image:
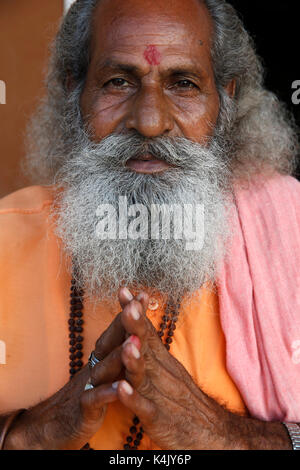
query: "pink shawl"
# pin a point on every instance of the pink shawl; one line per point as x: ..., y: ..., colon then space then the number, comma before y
x: 259, y: 294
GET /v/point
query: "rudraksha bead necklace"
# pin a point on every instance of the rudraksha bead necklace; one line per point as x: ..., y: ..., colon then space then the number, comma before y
x: 76, y: 322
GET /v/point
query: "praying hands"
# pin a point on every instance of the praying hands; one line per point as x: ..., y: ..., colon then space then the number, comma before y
x: 173, y: 410
x: 135, y: 367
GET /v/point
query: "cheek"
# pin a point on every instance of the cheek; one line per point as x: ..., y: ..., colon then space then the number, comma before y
x: 106, y: 119
x: 198, y: 119
x: 103, y: 116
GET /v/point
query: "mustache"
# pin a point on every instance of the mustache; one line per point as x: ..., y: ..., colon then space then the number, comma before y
x: 114, y: 151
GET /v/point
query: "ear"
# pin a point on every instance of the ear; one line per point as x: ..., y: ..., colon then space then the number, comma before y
x: 230, y: 88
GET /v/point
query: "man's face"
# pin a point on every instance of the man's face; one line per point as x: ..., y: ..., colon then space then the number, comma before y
x: 151, y: 104
x: 151, y: 72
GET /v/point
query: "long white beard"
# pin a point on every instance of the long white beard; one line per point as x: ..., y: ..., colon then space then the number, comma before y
x: 96, y: 174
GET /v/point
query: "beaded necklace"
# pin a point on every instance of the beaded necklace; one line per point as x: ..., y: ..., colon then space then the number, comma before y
x: 166, y: 331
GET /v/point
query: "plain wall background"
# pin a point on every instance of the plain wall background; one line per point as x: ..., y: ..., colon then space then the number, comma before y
x: 28, y: 26
x: 26, y: 30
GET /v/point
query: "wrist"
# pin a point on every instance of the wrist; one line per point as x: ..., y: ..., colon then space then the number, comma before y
x: 8, y: 441
x: 252, y: 434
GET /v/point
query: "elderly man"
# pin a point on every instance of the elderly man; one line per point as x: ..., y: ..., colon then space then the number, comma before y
x: 153, y: 104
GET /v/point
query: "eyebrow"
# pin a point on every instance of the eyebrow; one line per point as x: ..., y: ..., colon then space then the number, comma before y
x: 133, y: 69
x: 111, y: 64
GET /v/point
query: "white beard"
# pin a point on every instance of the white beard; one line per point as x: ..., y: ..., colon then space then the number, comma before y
x: 96, y: 174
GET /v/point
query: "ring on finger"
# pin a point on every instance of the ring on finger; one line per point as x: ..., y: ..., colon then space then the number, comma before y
x: 93, y: 360
x: 88, y: 385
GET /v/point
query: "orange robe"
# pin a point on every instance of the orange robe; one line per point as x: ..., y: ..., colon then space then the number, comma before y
x: 34, y: 313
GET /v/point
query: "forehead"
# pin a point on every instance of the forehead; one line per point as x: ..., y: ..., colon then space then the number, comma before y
x: 178, y: 28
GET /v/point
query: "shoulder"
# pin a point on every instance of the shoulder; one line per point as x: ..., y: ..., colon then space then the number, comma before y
x: 286, y: 183
x: 270, y: 206
x: 29, y: 200
x: 279, y: 189
x: 24, y: 217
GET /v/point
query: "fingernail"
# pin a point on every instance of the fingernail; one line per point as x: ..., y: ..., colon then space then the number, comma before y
x: 136, y: 341
x: 115, y: 385
x: 140, y: 296
x: 127, y: 388
x: 127, y: 294
x: 135, y: 351
x: 135, y: 313
x: 133, y: 340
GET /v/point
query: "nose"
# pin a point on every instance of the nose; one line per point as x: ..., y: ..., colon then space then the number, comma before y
x: 149, y: 114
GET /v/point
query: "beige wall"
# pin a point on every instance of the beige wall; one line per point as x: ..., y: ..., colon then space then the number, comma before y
x: 26, y: 29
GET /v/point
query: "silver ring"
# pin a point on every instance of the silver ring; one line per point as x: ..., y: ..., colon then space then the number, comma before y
x: 88, y: 385
x: 93, y: 360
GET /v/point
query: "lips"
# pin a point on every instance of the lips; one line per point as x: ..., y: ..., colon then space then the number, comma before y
x: 147, y: 164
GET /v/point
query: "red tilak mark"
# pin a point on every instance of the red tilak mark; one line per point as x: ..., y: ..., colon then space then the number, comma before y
x: 152, y: 55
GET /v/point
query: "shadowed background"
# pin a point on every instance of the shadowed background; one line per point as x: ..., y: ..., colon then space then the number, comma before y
x: 28, y: 26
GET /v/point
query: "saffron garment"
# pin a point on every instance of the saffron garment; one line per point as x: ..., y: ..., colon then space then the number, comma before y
x: 34, y: 313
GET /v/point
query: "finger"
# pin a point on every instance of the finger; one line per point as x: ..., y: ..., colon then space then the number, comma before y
x: 143, y: 298
x: 135, y: 370
x: 92, y: 401
x: 142, y: 407
x: 157, y: 378
x: 134, y: 364
x: 136, y: 323
x: 152, y: 348
x: 112, y: 337
x: 125, y: 296
x: 107, y: 370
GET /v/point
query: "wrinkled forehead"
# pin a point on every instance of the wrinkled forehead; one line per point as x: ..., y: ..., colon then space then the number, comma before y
x: 173, y: 26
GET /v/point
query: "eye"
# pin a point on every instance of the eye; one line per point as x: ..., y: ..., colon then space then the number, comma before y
x: 185, y: 84
x: 117, y: 82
